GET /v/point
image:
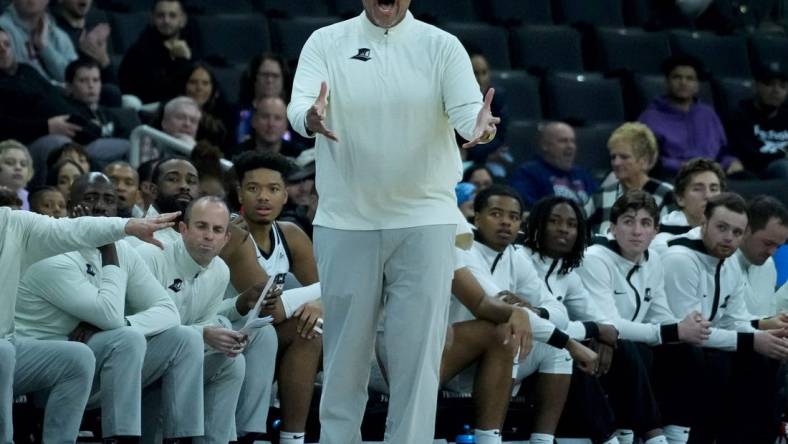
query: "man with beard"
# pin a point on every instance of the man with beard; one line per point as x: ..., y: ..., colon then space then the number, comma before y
x: 127, y: 182
x: 175, y: 185
x: 699, y: 277
x: 108, y: 299
x: 163, y: 48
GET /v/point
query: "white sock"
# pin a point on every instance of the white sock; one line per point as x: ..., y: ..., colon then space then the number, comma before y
x: 487, y: 436
x: 676, y: 434
x: 659, y: 439
x: 291, y: 437
x: 541, y: 438
x: 612, y: 440
x: 625, y: 436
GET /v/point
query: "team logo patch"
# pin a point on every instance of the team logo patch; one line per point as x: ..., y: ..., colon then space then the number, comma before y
x: 176, y: 286
x: 648, y: 295
x: 725, y: 303
x: 363, y: 55
x: 89, y: 270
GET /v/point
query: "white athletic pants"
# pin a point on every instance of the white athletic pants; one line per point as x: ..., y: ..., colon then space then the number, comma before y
x: 61, y: 370
x: 407, y: 273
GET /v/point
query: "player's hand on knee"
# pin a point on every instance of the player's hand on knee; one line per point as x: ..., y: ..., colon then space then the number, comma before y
x: 585, y: 358
x: 273, y: 306
x: 771, y: 344
x: 316, y: 115
x: 83, y: 332
x: 605, y: 353
x: 517, y: 332
x: 310, y: 321
x: 694, y: 329
x: 608, y: 335
x: 229, y: 342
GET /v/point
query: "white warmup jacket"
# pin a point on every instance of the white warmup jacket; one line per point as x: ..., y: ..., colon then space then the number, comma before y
x: 695, y: 280
x: 197, y: 291
x: 512, y: 270
x: 395, y: 98
x: 631, y: 295
x: 58, y: 293
x: 670, y: 225
x: 760, y: 286
x: 28, y: 237
x: 568, y: 289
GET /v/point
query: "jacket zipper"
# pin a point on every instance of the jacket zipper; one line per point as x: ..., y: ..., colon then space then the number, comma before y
x: 716, y: 291
x: 637, y: 294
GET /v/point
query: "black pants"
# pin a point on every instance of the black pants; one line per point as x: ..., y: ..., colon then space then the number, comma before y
x: 741, y: 401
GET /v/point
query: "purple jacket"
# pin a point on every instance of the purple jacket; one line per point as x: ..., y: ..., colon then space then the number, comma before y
x: 684, y: 135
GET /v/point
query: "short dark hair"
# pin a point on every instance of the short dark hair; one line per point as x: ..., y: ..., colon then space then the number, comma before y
x: 536, y: 227
x: 762, y: 208
x: 466, y: 176
x: 253, y: 160
x: 634, y: 200
x: 483, y: 196
x: 53, y: 172
x: 38, y: 193
x: 76, y: 65
x: 187, y: 214
x: 156, y: 2
x: 693, y: 167
x: 54, y: 156
x: 156, y: 173
x: 8, y: 197
x: 731, y: 201
x: 145, y: 170
x: 670, y: 63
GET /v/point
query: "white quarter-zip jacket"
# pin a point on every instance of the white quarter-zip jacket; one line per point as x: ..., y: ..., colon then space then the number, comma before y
x: 396, y: 95
x: 568, y: 289
x: 670, y: 225
x: 512, y: 270
x: 631, y: 295
x: 696, y: 280
x: 58, y: 293
x: 27, y: 237
x: 760, y: 286
x: 197, y: 291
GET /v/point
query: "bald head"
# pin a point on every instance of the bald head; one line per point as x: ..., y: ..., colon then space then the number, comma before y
x: 95, y: 193
x: 557, y: 142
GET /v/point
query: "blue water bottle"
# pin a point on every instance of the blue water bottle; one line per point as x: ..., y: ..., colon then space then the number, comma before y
x: 466, y: 437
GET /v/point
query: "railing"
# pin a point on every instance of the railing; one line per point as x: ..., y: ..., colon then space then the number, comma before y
x: 163, y: 141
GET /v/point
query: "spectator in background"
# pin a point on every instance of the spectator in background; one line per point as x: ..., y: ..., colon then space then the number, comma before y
x: 127, y: 182
x: 494, y: 152
x: 684, y: 126
x: 48, y: 201
x: 89, y: 34
x: 147, y: 187
x: 63, y: 174
x: 198, y: 82
x: 301, y: 194
x: 206, y: 158
x: 759, y: 128
x: 70, y: 150
x: 8, y: 198
x: 16, y: 169
x: 479, y: 175
x: 180, y: 118
x: 466, y: 193
x: 37, y: 40
x: 270, y: 128
x: 555, y: 172
x: 266, y: 75
x: 163, y: 48
x: 633, y: 153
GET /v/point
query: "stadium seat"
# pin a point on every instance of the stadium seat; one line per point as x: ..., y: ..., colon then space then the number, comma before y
x: 728, y: 93
x: 722, y: 56
x: 491, y: 40
x: 768, y: 48
x: 521, y: 91
x: 229, y: 36
x: 547, y: 48
x: 521, y: 138
x: 637, y: 13
x: 290, y: 35
x: 222, y: 7
x: 516, y: 12
x: 584, y: 98
x: 126, y: 28
x: 593, y: 13
x: 647, y: 87
x: 291, y: 8
x: 592, y: 152
x: 125, y: 5
x: 438, y: 11
x: 631, y: 49
x: 228, y: 78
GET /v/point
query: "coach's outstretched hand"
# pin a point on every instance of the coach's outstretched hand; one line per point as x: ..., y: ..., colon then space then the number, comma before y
x: 485, y: 123
x: 316, y: 116
x: 143, y: 229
